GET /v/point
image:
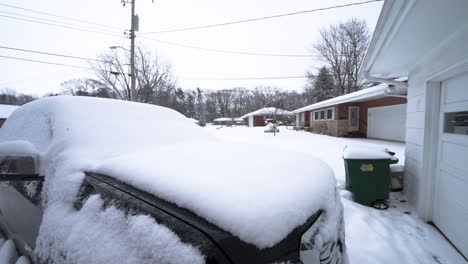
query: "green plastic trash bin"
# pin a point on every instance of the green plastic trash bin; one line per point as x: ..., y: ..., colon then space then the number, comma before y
x: 367, y: 175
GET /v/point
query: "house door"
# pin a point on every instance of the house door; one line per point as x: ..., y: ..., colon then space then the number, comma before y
x: 353, y: 118
x: 451, y: 186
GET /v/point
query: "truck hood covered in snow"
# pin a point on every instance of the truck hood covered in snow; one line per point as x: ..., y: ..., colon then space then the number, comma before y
x: 256, y: 193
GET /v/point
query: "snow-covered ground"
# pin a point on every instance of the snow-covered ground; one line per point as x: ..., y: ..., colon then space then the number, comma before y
x: 395, y: 235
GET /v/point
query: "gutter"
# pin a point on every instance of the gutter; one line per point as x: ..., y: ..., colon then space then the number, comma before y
x: 395, y: 87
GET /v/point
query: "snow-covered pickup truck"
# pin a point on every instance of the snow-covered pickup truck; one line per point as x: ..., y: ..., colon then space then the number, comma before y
x: 87, y: 180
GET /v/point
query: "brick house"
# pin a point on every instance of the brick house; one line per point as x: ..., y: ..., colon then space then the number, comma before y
x: 375, y: 112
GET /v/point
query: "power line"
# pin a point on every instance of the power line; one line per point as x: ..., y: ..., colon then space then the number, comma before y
x: 62, y: 17
x: 170, y: 43
x: 48, y: 53
x: 72, y: 26
x: 58, y: 64
x: 242, y: 78
x: 50, y: 20
x: 62, y: 26
x: 262, y: 18
x: 229, y: 51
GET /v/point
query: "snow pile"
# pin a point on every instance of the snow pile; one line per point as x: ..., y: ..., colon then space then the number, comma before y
x: 261, y: 199
x: 72, y: 134
x: 110, y: 237
x: 18, y: 147
x: 395, y: 235
x: 254, y: 192
x: 8, y: 254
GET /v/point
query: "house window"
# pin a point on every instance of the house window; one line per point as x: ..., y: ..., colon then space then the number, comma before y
x: 330, y: 113
x: 322, y: 115
x: 456, y: 123
x: 316, y: 115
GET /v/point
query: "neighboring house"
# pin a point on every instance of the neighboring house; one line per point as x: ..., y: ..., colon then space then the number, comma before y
x: 427, y: 41
x: 259, y: 117
x: 375, y: 112
x: 5, y: 112
x: 227, y: 121
x: 239, y: 121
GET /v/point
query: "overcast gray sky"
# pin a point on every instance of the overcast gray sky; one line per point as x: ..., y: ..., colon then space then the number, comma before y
x: 286, y: 35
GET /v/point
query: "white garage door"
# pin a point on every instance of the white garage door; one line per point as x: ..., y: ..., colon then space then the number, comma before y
x: 387, y: 122
x: 451, y: 196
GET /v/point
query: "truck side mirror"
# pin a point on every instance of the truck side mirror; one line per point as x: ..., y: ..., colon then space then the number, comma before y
x: 14, y: 167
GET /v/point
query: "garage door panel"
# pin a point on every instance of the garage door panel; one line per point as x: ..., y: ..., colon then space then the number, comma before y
x: 454, y: 91
x: 448, y: 216
x: 453, y: 155
x: 451, y: 190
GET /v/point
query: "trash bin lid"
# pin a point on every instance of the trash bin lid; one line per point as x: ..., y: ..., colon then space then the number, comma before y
x: 365, y: 153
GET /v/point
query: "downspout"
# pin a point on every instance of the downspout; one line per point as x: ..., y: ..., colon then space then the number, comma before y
x: 391, y: 92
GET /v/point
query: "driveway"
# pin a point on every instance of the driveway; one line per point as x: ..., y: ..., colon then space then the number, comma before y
x: 396, y: 235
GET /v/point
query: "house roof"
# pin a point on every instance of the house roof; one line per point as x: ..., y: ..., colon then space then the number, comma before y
x: 408, y: 31
x: 375, y: 92
x: 269, y: 111
x: 223, y: 119
x: 6, y: 110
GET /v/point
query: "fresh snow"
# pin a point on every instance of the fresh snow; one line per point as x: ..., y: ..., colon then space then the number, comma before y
x: 224, y: 119
x: 18, y: 147
x: 255, y: 192
x: 95, y: 235
x: 74, y: 134
x: 8, y: 254
x: 396, y: 235
x: 361, y: 95
x: 365, y: 153
x: 6, y: 110
x: 263, y: 198
x: 268, y: 111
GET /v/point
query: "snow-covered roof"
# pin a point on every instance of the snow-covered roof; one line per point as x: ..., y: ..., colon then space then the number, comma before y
x: 6, y: 110
x: 239, y: 119
x: 374, y: 92
x: 261, y: 205
x: 223, y: 119
x: 269, y: 111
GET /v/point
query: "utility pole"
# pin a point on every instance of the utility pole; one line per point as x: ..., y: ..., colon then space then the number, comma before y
x: 132, y: 55
x: 133, y: 27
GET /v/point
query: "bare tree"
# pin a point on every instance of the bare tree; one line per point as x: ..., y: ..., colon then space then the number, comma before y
x: 154, y: 79
x: 342, y: 47
x: 11, y: 97
x: 86, y: 87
